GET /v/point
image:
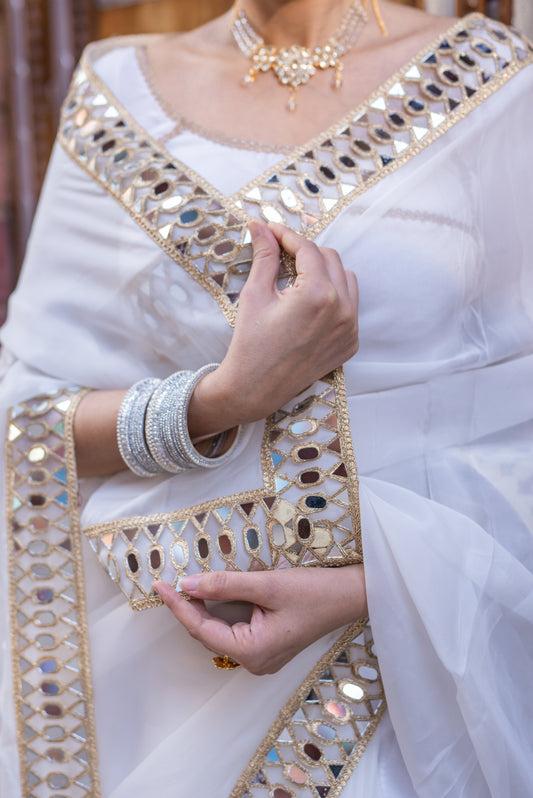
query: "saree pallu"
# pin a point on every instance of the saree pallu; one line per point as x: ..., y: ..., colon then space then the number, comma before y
x: 436, y: 405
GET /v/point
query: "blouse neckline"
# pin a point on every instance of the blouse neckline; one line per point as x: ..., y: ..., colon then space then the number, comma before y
x: 183, y: 123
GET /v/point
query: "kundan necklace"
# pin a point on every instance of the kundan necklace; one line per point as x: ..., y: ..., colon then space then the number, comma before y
x: 293, y: 66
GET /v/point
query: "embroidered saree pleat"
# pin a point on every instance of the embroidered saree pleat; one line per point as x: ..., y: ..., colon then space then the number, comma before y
x: 306, y: 511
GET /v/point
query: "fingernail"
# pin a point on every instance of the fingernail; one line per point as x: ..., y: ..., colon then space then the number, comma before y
x: 189, y: 584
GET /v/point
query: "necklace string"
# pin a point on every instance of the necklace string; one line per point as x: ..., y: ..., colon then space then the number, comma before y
x: 294, y: 66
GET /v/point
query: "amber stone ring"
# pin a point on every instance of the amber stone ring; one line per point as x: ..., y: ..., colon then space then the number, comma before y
x: 225, y: 663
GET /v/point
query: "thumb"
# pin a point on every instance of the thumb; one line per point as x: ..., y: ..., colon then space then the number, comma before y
x: 266, y: 259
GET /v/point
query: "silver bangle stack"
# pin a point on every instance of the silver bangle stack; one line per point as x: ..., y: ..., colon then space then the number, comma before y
x: 152, y: 432
x: 130, y: 429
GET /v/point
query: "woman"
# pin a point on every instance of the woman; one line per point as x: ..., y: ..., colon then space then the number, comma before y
x: 139, y: 267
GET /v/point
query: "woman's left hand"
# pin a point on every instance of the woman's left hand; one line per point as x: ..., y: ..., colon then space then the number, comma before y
x: 293, y: 607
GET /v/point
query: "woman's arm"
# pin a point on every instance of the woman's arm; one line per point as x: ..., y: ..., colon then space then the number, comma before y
x: 283, y: 342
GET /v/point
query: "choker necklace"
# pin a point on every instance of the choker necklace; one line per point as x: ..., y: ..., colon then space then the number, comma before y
x: 293, y: 66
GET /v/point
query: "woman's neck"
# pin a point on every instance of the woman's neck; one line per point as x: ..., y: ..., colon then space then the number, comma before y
x: 306, y: 23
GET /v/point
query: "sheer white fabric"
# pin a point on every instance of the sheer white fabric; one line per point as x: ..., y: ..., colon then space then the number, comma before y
x: 440, y: 399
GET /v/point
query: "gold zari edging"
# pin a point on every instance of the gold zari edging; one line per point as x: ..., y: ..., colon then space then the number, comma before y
x: 29, y: 758
x: 217, y: 293
x: 252, y: 200
x: 455, y: 116
x: 85, y: 654
x: 111, y: 177
x: 229, y: 201
x: 294, y: 705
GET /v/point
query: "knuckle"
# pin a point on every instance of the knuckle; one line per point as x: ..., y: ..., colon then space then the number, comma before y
x: 306, y: 249
x: 261, y: 253
x: 270, y: 587
x: 330, y: 254
x: 194, y: 630
x: 306, y: 245
x: 324, y: 296
x: 346, y: 315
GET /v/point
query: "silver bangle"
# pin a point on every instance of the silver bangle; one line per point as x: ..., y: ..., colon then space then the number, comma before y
x: 152, y: 429
x: 160, y: 423
x: 130, y: 429
x: 184, y: 441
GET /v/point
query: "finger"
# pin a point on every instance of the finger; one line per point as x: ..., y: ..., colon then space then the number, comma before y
x: 256, y: 588
x: 336, y: 271
x: 307, y: 255
x: 265, y: 264
x: 214, y: 633
x: 177, y: 602
x: 194, y: 616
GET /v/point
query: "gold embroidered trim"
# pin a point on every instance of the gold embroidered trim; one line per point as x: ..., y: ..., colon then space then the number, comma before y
x: 306, y: 513
x: 206, y: 232
x: 319, y: 736
x: 177, y: 208
x: 52, y: 683
x: 397, y: 122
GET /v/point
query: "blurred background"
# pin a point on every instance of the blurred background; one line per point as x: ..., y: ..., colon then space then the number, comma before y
x: 40, y: 42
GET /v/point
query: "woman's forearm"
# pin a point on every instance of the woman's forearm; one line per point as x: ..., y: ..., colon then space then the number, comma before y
x: 95, y: 437
x: 95, y: 424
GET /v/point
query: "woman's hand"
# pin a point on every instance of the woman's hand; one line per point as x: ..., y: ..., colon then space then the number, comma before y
x: 283, y: 340
x: 293, y: 607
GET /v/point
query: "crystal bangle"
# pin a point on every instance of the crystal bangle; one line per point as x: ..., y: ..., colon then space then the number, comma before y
x: 184, y: 441
x: 130, y: 429
x: 166, y: 430
x: 160, y: 424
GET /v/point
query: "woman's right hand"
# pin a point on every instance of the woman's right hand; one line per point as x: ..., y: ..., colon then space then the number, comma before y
x: 284, y: 340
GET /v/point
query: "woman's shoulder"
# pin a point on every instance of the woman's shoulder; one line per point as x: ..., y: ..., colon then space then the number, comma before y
x: 116, y: 61
x: 115, y: 48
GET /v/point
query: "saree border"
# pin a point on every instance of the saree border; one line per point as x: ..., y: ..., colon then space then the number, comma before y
x: 473, y: 82
x: 52, y: 683
x: 473, y: 96
x: 321, y: 733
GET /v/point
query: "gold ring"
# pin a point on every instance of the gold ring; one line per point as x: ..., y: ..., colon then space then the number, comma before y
x: 225, y: 663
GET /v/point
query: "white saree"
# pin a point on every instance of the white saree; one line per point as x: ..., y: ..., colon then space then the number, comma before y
x: 426, y: 192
